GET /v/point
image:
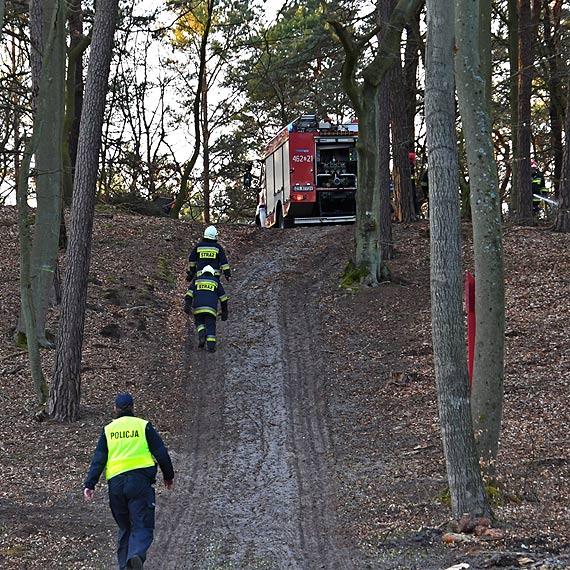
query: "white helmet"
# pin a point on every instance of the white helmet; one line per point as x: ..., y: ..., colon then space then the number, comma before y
x: 211, y: 232
x: 208, y: 269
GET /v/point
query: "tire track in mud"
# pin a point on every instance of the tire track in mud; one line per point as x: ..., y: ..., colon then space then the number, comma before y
x: 255, y: 478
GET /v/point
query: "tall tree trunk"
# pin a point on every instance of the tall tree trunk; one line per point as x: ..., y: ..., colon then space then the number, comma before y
x: 48, y: 163
x: 64, y: 398
x: 411, y: 62
x: 47, y: 27
x: 465, y: 481
x: 373, y: 197
x: 513, y: 47
x: 73, y: 96
x: 47, y: 85
x: 527, y: 31
x: 562, y: 223
x: 473, y: 74
x: 552, y: 39
x: 403, y: 200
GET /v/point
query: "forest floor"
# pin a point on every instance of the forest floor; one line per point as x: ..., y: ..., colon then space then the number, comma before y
x: 311, y: 439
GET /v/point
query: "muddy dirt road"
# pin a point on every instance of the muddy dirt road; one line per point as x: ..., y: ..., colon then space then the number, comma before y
x: 255, y: 486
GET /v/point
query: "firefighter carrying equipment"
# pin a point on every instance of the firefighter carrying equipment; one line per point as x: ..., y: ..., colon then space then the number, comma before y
x: 127, y: 445
x: 211, y: 232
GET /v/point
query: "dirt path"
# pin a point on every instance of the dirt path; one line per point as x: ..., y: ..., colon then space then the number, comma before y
x: 256, y: 482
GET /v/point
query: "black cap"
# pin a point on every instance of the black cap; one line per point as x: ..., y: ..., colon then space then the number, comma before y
x: 124, y: 400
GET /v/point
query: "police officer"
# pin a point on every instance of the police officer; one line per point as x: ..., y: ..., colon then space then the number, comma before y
x: 127, y: 449
x: 208, y: 252
x: 202, y: 298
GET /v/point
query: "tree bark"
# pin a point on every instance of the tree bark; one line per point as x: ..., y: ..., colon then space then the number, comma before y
x: 64, y: 398
x: 46, y: 85
x: 527, y: 30
x: 552, y: 37
x: 513, y: 46
x: 473, y: 75
x: 411, y: 62
x: 73, y: 96
x: 404, y: 209
x: 49, y: 168
x: 465, y: 481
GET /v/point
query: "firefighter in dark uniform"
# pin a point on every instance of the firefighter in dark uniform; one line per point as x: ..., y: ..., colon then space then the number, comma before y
x: 538, y: 187
x: 127, y: 449
x: 208, y: 252
x: 202, y: 299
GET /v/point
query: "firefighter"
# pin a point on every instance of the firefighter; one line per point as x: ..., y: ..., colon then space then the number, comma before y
x: 262, y: 209
x: 538, y: 187
x: 202, y: 299
x: 127, y: 449
x: 208, y: 252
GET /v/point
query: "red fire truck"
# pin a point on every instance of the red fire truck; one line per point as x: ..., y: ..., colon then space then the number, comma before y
x: 309, y: 172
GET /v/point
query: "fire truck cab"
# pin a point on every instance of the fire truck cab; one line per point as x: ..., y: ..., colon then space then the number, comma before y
x: 310, y: 173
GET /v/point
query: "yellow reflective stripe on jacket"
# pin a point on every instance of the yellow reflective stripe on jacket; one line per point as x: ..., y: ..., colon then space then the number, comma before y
x: 208, y: 310
x: 127, y: 446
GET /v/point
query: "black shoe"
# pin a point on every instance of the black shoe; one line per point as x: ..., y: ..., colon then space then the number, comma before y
x: 201, y: 342
x: 211, y: 349
x: 135, y: 563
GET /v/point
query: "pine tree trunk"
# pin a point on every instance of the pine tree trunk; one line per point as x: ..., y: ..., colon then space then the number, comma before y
x: 513, y: 46
x: 64, y: 398
x: 404, y: 201
x: 523, y: 214
x: 465, y: 481
x: 552, y: 37
x: 73, y: 96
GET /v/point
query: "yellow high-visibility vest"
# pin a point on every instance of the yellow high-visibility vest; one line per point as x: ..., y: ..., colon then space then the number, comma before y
x: 127, y: 446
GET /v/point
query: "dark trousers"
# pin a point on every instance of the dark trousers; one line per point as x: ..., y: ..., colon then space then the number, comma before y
x: 206, y: 328
x: 132, y: 504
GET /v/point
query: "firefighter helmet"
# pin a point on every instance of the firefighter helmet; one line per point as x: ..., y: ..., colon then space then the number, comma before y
x: 211, y: 232
x: 208, y: 269
x: 533, y: 165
